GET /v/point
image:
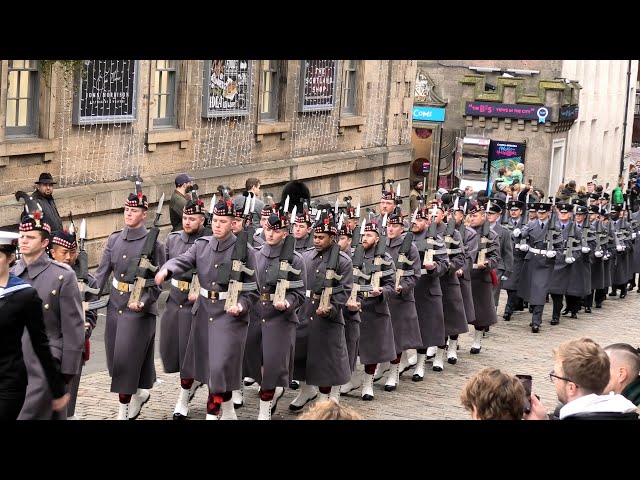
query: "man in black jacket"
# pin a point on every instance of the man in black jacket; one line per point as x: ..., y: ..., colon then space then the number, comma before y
x: 43, y: 194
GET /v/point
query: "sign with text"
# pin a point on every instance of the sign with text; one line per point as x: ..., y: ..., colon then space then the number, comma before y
x: 507, y: 110
x: 430, y: 114
x: 504, y: 154
x: 227, y: 88
x: 568, y: 113
x: 317, y: 85
x: 107, y: 92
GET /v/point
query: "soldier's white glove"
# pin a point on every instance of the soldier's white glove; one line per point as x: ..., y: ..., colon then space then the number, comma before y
x: 607, y: 256
x: 634, y: 235
x: 503, y: 278
x: 569, y: 260
x: 523, y: 247
x: 551, y: 253
x: 619, y: 248
x: 599, y: 254
x: 516, y: 232
x: 586, y: 249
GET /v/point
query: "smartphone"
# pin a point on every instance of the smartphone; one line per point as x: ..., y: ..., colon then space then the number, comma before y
x: 526, y: 380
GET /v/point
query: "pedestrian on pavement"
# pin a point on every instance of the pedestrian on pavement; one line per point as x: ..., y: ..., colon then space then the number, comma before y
x: 130, y: 328
x: 175, y: 322
x: 252, y: 186
x: 182, y: 194
x: 493, y: 395
x: 415, y: 195
x: 43, y: 194
x: 57, y: 287
x: 20, y: 308
x: 581, y: 372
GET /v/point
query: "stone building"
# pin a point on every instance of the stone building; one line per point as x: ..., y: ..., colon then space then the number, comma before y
x: 338, y: 125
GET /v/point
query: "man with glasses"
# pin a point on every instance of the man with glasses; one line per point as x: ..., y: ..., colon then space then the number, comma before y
x: 581, y: 372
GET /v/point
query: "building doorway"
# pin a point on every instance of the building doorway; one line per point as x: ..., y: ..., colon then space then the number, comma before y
x: 556, y: 174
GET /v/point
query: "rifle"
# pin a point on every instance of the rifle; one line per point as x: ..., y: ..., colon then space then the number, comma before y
x: 432, y: 238
x: 379, y: 261
x: 600, y: 235
x: 586, y: 235
x: 208, y: 219
x: 281, y: 272
x: 324, y: 285
x: 404, y: 267
x: 357, y: 260
x: 231, y: 274
x: 81, y: 267
x: 570, y: 243
x: 551, y: 231
x: 138, y: 270
x: 504, y: 219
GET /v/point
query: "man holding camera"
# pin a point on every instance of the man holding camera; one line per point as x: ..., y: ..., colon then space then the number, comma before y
x: 182, y: 193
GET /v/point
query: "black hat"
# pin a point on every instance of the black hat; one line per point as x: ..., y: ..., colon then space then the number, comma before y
x: 564, y: 207
x: 496, y: 205
x: 325, y: 224
x: 395, y: 218
x: 423, y: 213
x: 46, y: 178
x: 436, y: 203
x: 578, y: 201
x: 605, y: 196
x: 594, y: 209
x: 34, y: 221
x: 515, y: 204
x: 64, y: 238
x: 542, y: 206
x: 616, y: 207
x: 594, y: 196
x: 345, y: 230
x: 137, y: 199
x: 278, y: 220
x: 371, y: 227
x: 303, y: 217
x: 223, y: 208
x: 193, y: 207
x: 475, y: 207
x: 531, y: 207
x: 267, y: 210
x: 581, y: 209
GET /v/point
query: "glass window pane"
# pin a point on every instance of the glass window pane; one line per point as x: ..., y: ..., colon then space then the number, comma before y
x: 28, y: 63
x: 163, y: 106
x: 170, y: 64
x: 160, y: 64
x: 13, y: 84
x: 156, y: 83
x: 22, y: 112
x: 163, y: 83
x: 11, y: 113
x: 17, y: 64
x: 24, y: 84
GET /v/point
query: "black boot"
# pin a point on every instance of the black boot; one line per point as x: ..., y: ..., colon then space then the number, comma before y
x: 587, y: 309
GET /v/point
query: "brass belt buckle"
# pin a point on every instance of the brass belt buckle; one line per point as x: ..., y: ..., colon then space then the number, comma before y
x: 183, y: 286
x: 265, y: 297
x: 123, y: 286
x: 213, y: 296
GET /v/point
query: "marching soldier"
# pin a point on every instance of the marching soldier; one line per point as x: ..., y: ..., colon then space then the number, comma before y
x: 302, y: 231
x: 623, y: 249
x: 505, y: 262
x: 216, y: 343
x: 587, y: 245
x: 517, y: 222
x: 482, y: 277
x: 429, y: 300
x: 321, y: 356
x: 175, y: 323
x: 130, y: 327
x: 598, y: 263
x: 279, y: 271
x: 57, y: 286
x: 377, y: 344
x: 402, y: 304
x: 64, y: 249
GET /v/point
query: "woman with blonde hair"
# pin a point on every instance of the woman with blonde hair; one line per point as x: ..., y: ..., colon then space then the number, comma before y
x: 330, y: 410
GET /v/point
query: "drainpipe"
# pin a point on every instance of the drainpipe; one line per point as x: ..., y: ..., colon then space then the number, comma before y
x: 626, y: 114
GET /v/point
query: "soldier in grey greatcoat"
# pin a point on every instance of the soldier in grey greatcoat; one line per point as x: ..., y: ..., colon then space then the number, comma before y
x: 429, y: 292
x: 216, y: 343
x: 539, y: 262
x: 624, y: 251
x: 504, y: 269
x: 57, y: 286
x: 635, y: 261
x: 483, y: 277
x: 597, y: 258
x: 516, y: 223
x: 64, y: 249
x: 470, y: 244
x: 268, y: 356
x: 303, y: 231
x: 130, y: 328
x: 175, y: 322
x: 584, y: 261
x: 402, y: 303
x: 377, y: 344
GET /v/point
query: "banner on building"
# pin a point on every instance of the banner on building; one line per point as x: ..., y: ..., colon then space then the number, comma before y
x: 227, y: 88
x: 317, y: 85
x: 107, y: 92
x: 504, y: 154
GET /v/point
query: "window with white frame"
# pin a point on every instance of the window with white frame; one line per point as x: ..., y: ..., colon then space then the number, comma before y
x: 269, y: 79
x: 164, y: 114
x: 22, y: 98
x: 349, y: 89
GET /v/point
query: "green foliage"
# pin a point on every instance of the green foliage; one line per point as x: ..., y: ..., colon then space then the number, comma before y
x: 67, y: 68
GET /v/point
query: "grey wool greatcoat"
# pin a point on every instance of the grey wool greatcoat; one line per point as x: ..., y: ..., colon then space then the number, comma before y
x: 470, y: 252
x: 584, y: 262
x: 268, y: 356
x: 351, y: 330
x: 455, y: 318
x: 511, y: 283
x: 377, y: 344
x: 404, y: 318
x: 537, y: 270
x: 598, y: 264
x: 505, y: 263
x: 57, y: 286
x: 635, y: 262
x: 175, y: 322
x: 482, y: 285
x: 321, y: 356
x: 622, y: 272
x: 428, y: 295
x: 129, y: 336
x: 305, y: 243
x: 568, y: 279
x: 217, y: 339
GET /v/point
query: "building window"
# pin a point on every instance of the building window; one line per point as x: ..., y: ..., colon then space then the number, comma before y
x: 269, y: 79
x: 164, y: 113
x: 636, y: 108
x: 349, y: 90
x: 22, y: 98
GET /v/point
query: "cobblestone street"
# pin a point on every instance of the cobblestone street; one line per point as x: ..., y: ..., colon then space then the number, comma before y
x: 509, y: 345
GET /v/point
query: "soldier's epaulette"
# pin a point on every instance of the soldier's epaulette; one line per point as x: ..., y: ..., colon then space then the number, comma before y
x: 202, y: 239
x: 60, y: 264
x: 178, y: 232
x: 308, y: 248
x: 345, y: 255
x: 259, y: 247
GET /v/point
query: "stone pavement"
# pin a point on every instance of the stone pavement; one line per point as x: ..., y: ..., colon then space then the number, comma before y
x: 509, y: 346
